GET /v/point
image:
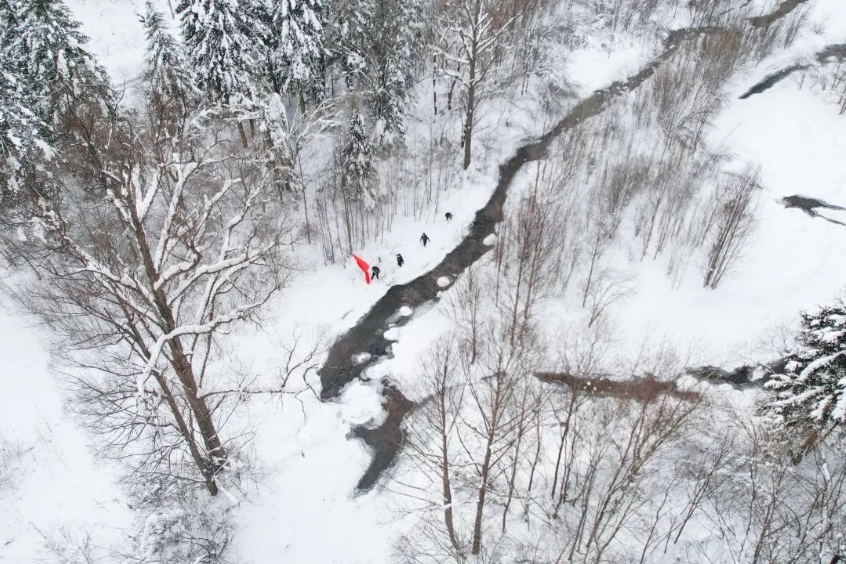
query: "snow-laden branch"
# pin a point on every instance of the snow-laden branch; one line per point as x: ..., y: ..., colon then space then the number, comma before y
x: 210, y: 269
x: 198, y: 329
x: 119, y: 285
x: 183, y: 171
x: 817, y: 364
x: 143, y: 204
x: 470, y: 40
x: 225, y: 261
x: 199, y: 225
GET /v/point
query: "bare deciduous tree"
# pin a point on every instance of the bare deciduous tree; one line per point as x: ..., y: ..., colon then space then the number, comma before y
x: 146, y: 273
x: 734, y: 211
x: 432, y: 436
x: 609, y: 287
x: 472, y: 32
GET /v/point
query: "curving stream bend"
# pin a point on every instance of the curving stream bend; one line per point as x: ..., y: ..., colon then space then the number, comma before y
x: 368, y: 334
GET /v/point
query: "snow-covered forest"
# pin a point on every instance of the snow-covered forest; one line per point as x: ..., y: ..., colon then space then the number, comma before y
x: 606, y: 321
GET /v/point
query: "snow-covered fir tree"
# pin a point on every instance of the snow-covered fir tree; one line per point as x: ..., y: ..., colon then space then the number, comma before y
x: 22, y: 146
x: 49, y: 53
x: 377, y: 45
x: 395, y: 57
x: 296, y: 47
x: 273, y: 122
x: 358, y: 172
x: 8, y: 21
x: 223, y: 39
x: 28, y: 187
x: 18, y: 121
x: 812, y: 389
x: 168, y: 82
x: 345, y: 38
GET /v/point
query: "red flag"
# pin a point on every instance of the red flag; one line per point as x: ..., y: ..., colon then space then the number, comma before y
x: 363, y: 266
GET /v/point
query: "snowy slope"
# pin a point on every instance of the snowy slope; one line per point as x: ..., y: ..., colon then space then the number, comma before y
x: 116, y: 34
x: 55, y: 489
x: 303, y: 509
x: 794, y: 261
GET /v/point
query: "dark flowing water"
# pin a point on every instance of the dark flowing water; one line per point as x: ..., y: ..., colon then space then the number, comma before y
x: 368, y: 334
x: 830, y: 54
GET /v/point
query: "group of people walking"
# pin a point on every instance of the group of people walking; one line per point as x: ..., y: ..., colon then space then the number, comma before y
x: 375, y: 271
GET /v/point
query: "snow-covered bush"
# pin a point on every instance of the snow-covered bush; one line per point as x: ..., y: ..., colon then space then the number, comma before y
x: 194, y: 529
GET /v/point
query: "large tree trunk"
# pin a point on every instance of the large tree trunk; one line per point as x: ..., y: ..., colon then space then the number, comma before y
x: 215, y: 456
x: 445, y: 471
x: 484, y: 472
x: 185, y: 431
x: 483, y: 490
x: 215, y: 453
x: 181, y: 424
x: 243, y: 135
x: 468, y: 122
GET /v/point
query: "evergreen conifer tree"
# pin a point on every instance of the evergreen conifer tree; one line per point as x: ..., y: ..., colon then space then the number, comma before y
x: 296, y: 47
x: 345, y: 38
x: 395, y: 48
x: 224, y: 41
x: 168, y: 82
x: 48, y: 50
x: 812, y: 389
x: 357, y: 162
x: 22, y: 144
x: 44, y: 73
x: 377, y: 46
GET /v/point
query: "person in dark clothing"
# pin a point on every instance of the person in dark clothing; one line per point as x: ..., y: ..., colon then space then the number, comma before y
x: 374, y: 273
x: 400, y: 260
x: 424, y: 239
x: 448, y: 216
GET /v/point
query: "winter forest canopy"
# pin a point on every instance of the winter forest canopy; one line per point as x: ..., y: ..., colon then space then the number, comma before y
x: 606, y: 320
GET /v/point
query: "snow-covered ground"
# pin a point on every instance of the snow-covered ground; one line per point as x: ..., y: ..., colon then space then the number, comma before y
x: 794, y: 261
x: 51, y: 488
x: 303, y: 509
x: 116, y: 33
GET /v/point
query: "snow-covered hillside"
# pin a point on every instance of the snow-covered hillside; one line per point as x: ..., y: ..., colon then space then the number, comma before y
x: 53, y: 491
x: 296, y: 500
